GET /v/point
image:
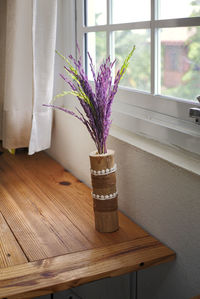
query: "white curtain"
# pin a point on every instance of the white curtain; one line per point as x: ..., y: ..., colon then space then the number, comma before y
x: 44, y: 42
x: 2, y: 57
x: 29, y: 71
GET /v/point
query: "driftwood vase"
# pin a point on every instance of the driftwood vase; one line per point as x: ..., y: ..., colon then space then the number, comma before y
x: 104, y: 193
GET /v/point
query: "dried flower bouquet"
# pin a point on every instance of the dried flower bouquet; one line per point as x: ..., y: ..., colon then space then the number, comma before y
x: 96, y: 115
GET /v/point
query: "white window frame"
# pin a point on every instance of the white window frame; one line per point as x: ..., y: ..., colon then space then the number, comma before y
x: 163, y: 118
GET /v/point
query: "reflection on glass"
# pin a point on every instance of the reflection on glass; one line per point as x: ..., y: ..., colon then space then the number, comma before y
x: 125, y: 11
x: 96, y: 46
x: 171, y: 9
x: 138, y: 73
x: 180, y: 62
x: 96, y: 12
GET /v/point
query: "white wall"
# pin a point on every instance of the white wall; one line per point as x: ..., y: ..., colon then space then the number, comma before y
x: 163, y: 198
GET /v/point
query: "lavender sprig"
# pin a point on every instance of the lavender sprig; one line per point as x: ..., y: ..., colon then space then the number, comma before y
x: 96, y: 104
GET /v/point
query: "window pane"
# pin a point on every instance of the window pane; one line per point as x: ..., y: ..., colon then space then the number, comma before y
x: 96, y: 46
x: 125, y: 11
x: 96, y: 12
x: 171, y: 9
x: 137, y: 75
x: 180, y: 62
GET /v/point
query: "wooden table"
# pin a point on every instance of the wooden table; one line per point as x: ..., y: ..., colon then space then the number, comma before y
x: 47, y: 237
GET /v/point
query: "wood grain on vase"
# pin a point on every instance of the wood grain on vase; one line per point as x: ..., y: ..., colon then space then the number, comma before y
x: 104, y: 185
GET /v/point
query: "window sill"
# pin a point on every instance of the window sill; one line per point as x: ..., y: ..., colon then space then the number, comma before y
x: 176, y: 156
x: 169, y: 130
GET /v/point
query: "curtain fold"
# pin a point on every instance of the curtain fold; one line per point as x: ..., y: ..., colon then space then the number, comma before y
x: 2, y: 57
x: 17, y: 106
x: 29, y: 71
x: 44, y: 42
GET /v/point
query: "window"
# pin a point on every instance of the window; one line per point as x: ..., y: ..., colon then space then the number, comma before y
x: 163, y: 78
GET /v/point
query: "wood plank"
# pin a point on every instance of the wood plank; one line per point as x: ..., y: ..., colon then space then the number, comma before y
x: 21, y: 227
x: 50, y: 213
x: 10, y: 252
x: 42, y: 230
x: 74, y: 199
x: 74, y: 269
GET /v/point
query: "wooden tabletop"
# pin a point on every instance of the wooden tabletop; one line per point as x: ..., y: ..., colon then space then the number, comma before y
x: 47, y: 238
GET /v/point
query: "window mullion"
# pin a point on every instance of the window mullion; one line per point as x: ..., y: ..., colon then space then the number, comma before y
x: 123, y: 26
x: 157, y: 61
x: 181, y: 22
x: 155, y: 49
x: 108, y: 41
x: 153, y: 46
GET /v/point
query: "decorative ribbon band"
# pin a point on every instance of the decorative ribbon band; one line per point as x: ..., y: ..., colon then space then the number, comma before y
x: 104, y: 197
x: 104, y: 171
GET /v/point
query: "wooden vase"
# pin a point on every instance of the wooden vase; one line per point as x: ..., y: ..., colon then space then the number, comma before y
x: 104, y: 193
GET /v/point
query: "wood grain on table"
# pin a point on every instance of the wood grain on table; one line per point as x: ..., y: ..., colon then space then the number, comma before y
x: 48, y: 241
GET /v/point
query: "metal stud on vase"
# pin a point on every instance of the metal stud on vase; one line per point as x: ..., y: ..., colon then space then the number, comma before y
x: 94, y: 112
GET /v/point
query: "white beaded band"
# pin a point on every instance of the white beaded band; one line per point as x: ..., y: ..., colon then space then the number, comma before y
x: 104, y: 197
x: 104, y: 171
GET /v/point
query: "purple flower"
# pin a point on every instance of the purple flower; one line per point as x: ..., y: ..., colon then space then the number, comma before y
x: 96, y: 105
